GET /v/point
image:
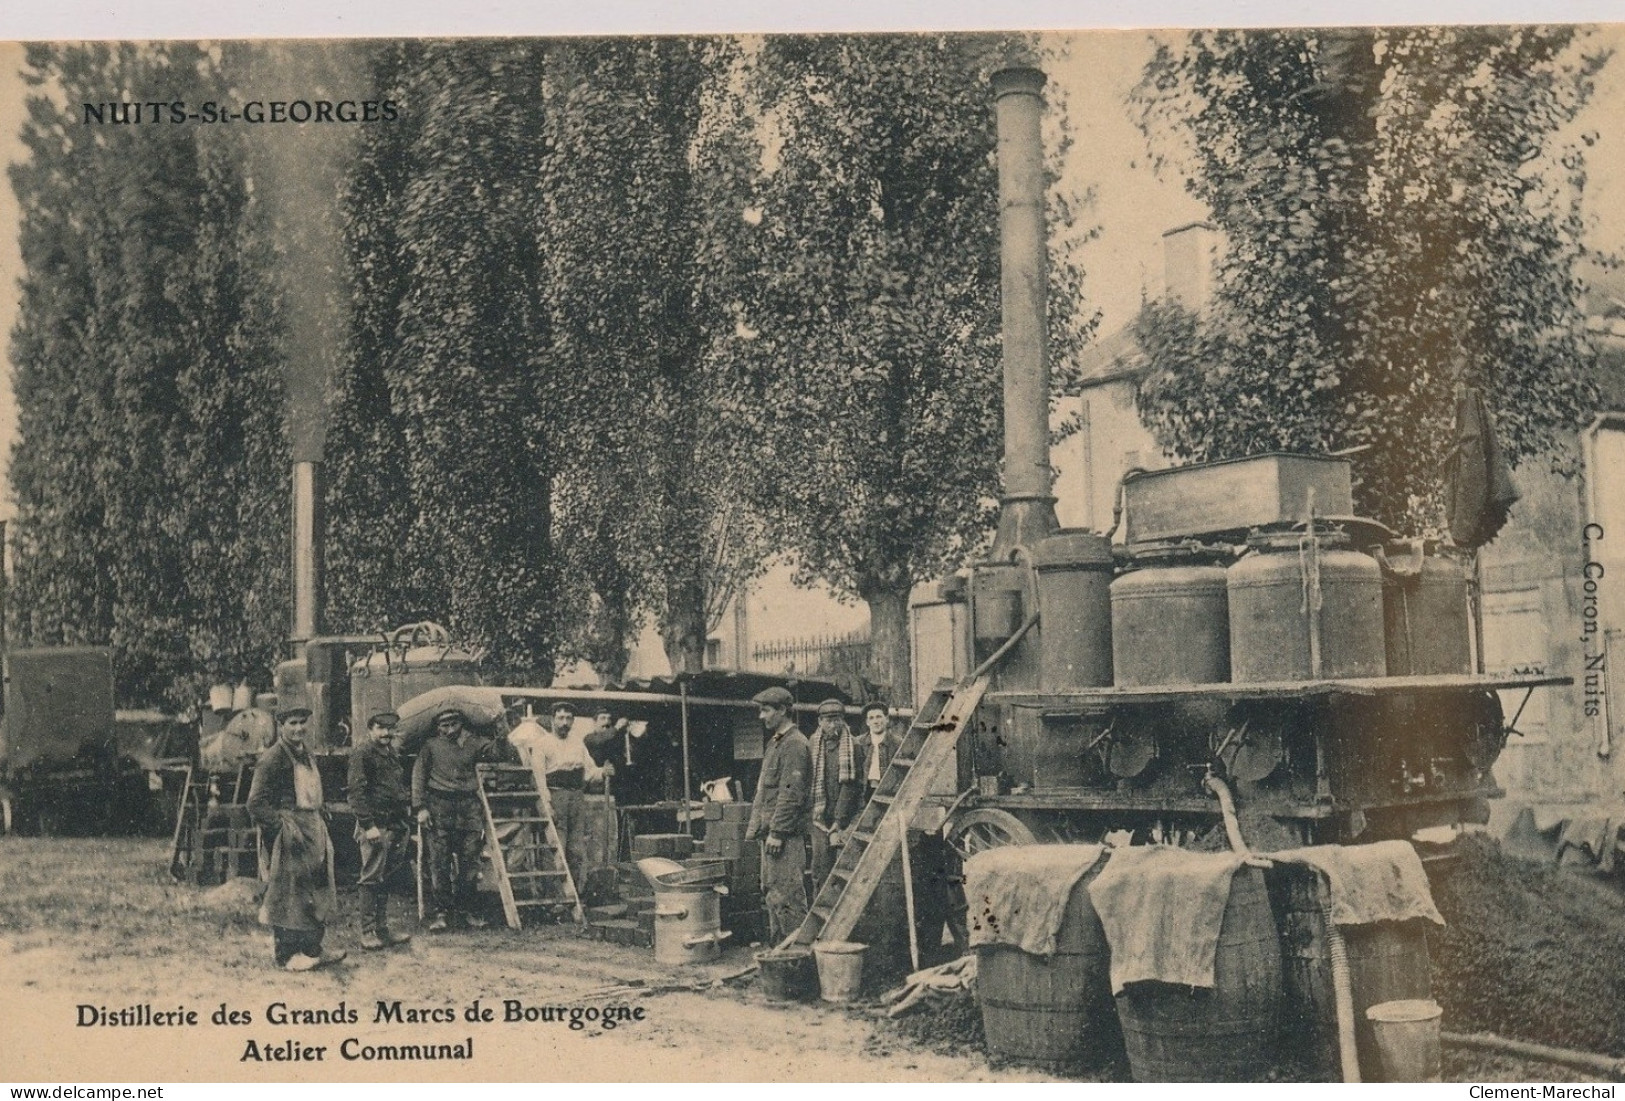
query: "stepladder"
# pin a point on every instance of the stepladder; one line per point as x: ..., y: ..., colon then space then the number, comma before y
x: 522, y: 841
x: 880, y: 831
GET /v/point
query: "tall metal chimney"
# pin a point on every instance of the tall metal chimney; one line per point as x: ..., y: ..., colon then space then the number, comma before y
x: 1027, y: 509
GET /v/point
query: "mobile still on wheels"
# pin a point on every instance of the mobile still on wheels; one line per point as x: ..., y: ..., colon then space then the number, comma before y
x: 999, y: 557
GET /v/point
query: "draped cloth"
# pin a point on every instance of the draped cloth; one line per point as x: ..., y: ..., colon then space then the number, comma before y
x: 300, y: 892
x: 1478, y: 485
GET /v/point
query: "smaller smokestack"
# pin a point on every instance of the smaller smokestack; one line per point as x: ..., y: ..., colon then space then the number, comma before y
x: 1188, y: 253
x: 307, y: 551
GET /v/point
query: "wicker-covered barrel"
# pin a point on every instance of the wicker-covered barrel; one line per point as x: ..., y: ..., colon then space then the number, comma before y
x: 1224, y: 1034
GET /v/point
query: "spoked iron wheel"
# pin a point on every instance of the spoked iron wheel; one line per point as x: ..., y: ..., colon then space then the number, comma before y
x: 987, y: 828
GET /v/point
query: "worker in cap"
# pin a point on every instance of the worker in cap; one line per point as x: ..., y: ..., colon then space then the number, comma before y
x: 563, y: 762
x: 445, y: 791
x: 285, y: 801
x: 381, y: 799
x: 775, y: 697
x: 837, y: 786
x: 782, y: 812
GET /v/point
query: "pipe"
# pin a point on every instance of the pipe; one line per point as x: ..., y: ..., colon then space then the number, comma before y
x: 1609, y: 1067
x: 682, y: 693
x: 1027, y: 508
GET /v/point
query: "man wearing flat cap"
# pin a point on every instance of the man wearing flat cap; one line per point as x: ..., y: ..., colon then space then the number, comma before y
x: 782, y: 812
x: 563, y: 762
x: 382, y: 802
x: 285, y: 801
x: 445, y: 791
x: 837, y: 786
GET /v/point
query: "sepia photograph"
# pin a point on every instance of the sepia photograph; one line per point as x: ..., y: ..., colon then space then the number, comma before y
x: 934, y: 556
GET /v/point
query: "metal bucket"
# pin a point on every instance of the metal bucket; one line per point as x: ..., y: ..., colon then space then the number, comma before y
x: 840, y: 970
x: 788, y: 974
x: 1407, y: 1038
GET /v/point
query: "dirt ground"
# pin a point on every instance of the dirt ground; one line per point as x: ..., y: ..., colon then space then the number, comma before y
x: 90, y: 923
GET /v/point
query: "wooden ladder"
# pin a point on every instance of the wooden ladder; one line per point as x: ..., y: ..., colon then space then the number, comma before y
x: 511, y: 795
x: 875, y: 837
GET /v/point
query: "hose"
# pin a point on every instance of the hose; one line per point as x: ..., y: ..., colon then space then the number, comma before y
x: 1337, y: 950
x: 1343, y: 998
x: 1607, y: 1066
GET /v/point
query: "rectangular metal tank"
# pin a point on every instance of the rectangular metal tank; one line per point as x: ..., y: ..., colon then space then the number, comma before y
x: 1234, y: 495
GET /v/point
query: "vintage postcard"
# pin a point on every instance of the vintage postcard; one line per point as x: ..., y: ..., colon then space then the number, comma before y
x: 910, y: 557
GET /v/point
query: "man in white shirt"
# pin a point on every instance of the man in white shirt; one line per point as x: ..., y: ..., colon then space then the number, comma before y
x: 564, y: 763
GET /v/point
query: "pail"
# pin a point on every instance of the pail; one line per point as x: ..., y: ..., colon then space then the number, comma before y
x: 1224, y: 1034
x: 1407, y: 1036
x: 840, y: 969
x: 788, y: 974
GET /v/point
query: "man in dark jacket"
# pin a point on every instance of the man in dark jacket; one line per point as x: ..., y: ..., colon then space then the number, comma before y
x: 382, y: 804
x: 445, y: 791
x: 285, y: 801
x: 782, y: 813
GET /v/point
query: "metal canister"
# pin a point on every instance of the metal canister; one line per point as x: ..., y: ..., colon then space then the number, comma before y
x: 1171, y: 619
x: 688, y: 924
x: 1074, y: 568
x: 1305, y: 607
x: 1426, y: 620
x: 369, y: 688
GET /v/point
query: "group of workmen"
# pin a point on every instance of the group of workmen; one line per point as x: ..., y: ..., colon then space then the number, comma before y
x: 808, y: 797
x: 441, y: 796
x: 811, y: 792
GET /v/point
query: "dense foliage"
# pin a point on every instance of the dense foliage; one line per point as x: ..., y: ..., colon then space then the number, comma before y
x: 149, y: 479
x: 1401, y: 213
x: 871, y: 373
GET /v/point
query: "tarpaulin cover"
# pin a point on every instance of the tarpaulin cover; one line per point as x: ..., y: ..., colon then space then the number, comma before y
x: 1017, y: 894
x: 1163, y: 909
x: 1384, y: 881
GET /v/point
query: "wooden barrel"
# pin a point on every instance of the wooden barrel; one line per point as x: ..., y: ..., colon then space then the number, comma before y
x: 1224, y: 1034
x: 1052, y: 1011
x: 1388, y: 961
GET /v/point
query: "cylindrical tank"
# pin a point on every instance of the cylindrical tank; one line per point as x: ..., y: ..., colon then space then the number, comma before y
x: 424, y: 667
x: 1074, y: 569
x: 1224, y: 1034
x: 1171, y: 620
x: 288, y: 679
x: 1426, y: 622
x: 1305, y: 607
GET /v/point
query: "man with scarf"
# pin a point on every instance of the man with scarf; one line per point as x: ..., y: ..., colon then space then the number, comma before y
x: 837, y: 788
x: 285, y: 801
